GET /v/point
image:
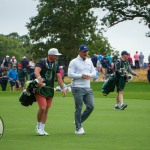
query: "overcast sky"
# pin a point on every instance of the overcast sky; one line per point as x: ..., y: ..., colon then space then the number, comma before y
x: 129, y: 35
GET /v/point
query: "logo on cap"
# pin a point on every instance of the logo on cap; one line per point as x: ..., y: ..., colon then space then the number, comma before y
x: 83, y: 48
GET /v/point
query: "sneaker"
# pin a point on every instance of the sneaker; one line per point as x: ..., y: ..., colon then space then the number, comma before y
x: 117, y: 108
x: 80, y: 131
x: 123, y: 106
x: 39, y: 132
x: 45, y: 133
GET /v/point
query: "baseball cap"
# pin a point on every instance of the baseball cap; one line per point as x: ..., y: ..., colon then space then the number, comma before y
x: 20, y: 65
x: 124, y: 53
x: 14, y: 65
x: 7, y: 55
x: 54, y: 51
x: 83, y: 48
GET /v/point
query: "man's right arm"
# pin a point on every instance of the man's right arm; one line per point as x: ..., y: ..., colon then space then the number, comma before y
x: 71, y: 71
x: 37, y: 71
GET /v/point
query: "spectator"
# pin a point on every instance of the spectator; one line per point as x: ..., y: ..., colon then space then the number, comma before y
x: 31, y: 66
x: 25, y: 64
x: 95, y: 79
x: 109, y: 58
x: 94, y: 60
x: 141, y: 60
x: 61, y: 71
x: 144, y: 65
x: 99, y: 57
x: 21, y: 77
x: 13, y: 61
x: 13, y: 78
x: 5, y: 62
x: 136, y: 60
x: 110, y: 71
x: 98, y: 67
x: 130, y: 60
x: 105, y: 64
x: 3, y: 79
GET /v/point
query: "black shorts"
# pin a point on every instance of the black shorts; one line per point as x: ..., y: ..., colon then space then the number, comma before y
x: 14, y: 83
x: 120, y: 84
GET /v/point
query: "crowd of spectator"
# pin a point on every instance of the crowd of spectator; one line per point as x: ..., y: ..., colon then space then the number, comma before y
x: 17, y: 73
x: 105, y: 64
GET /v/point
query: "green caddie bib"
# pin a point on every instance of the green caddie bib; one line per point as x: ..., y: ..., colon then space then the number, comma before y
x: 48, y: 74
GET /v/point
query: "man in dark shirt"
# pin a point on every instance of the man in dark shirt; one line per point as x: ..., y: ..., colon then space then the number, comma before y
x: 3, y: 79
x: 25, y: 64
x: 45, y: 72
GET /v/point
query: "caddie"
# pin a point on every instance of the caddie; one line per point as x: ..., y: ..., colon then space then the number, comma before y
x: 45, y: 72
x: 119, y: 79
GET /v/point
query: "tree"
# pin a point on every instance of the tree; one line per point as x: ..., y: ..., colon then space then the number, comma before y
x: 100, y: 44
x: 121, y: 10
x: 14, y: 45
x: 8, y: 45
x: 63, y: 24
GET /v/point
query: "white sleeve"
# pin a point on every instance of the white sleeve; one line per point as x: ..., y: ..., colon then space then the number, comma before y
x: 71, y: 70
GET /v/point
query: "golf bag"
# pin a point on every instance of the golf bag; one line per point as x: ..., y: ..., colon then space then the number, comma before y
x: 27, y: 96
x: 109, y: 86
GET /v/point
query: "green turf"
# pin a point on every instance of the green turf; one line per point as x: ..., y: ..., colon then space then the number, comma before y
x: 106, y: 129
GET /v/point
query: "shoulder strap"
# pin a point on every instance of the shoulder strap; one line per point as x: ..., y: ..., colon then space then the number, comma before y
x: 44, y: 61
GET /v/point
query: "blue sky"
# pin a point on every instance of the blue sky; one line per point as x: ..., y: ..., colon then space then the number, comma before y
x: 129, y: 35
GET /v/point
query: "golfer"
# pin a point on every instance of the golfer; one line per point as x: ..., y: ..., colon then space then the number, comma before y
x: 81, y: 70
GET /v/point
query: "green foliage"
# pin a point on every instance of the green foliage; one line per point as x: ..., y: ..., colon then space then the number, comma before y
x: 122, y: 10
x: 66, y: 25
x: 14, y: 45
x: 99, y: 44
x: 8, y: 46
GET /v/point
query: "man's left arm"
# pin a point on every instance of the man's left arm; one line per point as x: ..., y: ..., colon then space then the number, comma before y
x: 132, y: 72
x: 61, y: 83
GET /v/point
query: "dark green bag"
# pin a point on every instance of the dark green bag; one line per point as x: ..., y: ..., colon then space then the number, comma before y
x: 109, y: 86
x: 27, y: 96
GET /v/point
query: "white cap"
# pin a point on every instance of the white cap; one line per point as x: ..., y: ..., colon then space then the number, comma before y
x: 53, y: 51
x: 7, y: 56
x: 24, y: 57
x: 60, y: 67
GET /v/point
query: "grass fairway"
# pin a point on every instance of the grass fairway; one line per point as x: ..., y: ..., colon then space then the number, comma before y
x: 106, y: 129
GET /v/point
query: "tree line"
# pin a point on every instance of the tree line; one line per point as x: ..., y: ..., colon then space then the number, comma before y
x: 66, y: 24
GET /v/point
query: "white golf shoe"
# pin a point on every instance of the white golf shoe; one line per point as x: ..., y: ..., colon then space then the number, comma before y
x: 80, y: 131
x: 45, y: 133
x: 39, y: 132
